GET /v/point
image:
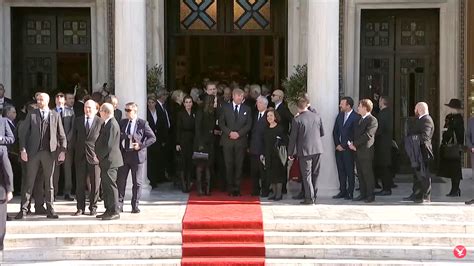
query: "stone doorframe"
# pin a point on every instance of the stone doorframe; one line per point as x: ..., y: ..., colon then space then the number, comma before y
x: 99, y: 38
x: 449, y: 24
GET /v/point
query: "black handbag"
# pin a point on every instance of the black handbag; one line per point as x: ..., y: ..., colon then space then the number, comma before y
x: 451, y: 150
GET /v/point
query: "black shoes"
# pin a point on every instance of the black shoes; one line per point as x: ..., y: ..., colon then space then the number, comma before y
x: 383, y: 193
x: 469, y: 202
x: 369, y: 200
x: 360, y: 198
x: 40, y: 211
x: 111, y: 216
x: 68, y: 197
x: 307, y: 202
x: 78, y: 213
x: 340, y: 195
x: 100, y: 216
x: 456, y: 193
x: 93, y: 212
x: 20, y: 216
x: 135, y: 210
x: 349, y: 196
x: 52, y: 215
x: 410, y: 198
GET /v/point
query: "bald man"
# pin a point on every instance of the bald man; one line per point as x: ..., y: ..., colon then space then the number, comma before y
x: 41, y: 136
x: 280, y: 106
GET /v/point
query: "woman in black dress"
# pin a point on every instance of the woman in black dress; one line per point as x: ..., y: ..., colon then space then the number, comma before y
x: 453, y: 129
x: 274, y: 136
x: 204, y: 143
x: 185, y: 126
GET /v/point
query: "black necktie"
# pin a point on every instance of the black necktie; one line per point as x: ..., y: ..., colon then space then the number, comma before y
x: 259, y: 116
x: 236, y: 112
x: 88, y: 126
x: 43, y: 115
x: 127, y: 131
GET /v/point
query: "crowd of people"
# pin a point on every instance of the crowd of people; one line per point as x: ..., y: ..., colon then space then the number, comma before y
x: 205, y: 140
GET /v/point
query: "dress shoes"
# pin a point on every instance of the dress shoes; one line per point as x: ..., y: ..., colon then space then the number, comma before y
x: 111, y: 216
x: 383, y: 193
x: 469, y: 202
x: 349, y: 196
x: 101, y: 215
x: 135, y: 210
x: 68, y: 197
x: 410, y: 198
x: 52, y: 215
x: 78, y: 213
x: 360, y: 198
x: 340, y: 195
x: 21, y: 215
x: 307, y: 202
x: 369, y: 200
x: 40, y: 211
x: 93, y: 212
x: 456, y: 193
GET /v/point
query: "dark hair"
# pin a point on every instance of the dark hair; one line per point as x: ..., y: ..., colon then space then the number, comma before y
x: 208, y: 105
x: 8, y: 108
x: 187, y: 97
x: 348, y: 100
x: 385, y: 100
x: 367, y: 103
x: 275, y: 113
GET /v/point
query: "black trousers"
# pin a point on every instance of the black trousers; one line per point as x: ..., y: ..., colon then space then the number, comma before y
x: 108, y: 177
x: 84, y: 170
x: 66, y: 174
x: 45, y: 160
x: 3, y: 221
x: 345, y: 170
x: 257, y: 173
x: 234, y: 159
x: 309, y: 167
x: 153, y: 155
x: 138, y: 172
x: 384, y: 172
x: 365, y: 173
x: 422, y: 183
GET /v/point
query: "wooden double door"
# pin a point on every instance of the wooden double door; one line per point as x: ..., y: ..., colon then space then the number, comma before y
x: 399, y: 58
x: 51, y: 50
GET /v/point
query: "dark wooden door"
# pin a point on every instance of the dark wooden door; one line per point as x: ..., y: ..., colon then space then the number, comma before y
x: 399, y: 59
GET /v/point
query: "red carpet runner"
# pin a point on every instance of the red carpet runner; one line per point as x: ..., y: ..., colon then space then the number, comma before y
x: 222, y: 230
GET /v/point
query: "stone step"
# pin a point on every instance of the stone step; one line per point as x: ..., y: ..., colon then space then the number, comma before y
x: 310, y: 225
x: 365, y: 252
x: 354, y: 262
x: 369, y: 238
x: 92, y: 239
x: 92, y: 226
x: 24, y: 254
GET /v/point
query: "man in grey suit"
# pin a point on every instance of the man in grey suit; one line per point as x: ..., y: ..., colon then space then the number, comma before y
x: 107, y: 149
x: 136, y: 136
x: 6, y: 175
x: 470, y: 146
x: 235, y: 121
x: 305, y: 143
x: 363, y: 145
x: 67, y: 118
x: 41, y: 136
x: 85, y: 133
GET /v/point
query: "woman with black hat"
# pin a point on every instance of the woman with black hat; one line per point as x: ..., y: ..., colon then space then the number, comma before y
x: 451, y: 147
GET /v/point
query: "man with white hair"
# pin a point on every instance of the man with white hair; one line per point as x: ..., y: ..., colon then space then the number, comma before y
x: 41, y: 135
x: 107, y: 149
x: 280, y: 106
x: 257, y: 148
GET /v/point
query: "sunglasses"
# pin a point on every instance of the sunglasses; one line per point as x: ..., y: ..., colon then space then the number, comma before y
x: 128, y: 110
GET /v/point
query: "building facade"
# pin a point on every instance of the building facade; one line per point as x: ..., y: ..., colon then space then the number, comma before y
x: 409, y: 50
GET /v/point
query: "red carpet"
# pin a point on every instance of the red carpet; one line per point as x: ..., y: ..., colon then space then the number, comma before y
x: 223, y: 230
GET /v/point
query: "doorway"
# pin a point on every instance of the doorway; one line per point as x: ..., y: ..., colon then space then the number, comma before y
x: 400, y: 59
x: 51, y: 51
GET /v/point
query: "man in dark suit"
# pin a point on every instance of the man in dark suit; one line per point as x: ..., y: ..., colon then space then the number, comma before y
x: 163, y: 138
x: 41, y: 136
x: 154, y: 149
x: 306, y: 143
x: 363, y: 145
x: 67, y: 117
x: 257, y: 149
x: 85, y: 133
x: 6, y: 176
x: 424, y: 128
x: 9, y: 112
x: 107, y: 149
x: 383, y: 147
x: 282, y: 109
x: 136, y: 136
x: 235, y: 121
x: 79, y: 103
x: 342, y: 133
x: 4, y: 101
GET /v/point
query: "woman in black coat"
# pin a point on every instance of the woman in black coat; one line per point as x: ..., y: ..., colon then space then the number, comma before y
x: 204, y: 143
x: 185, y: 128
x: 274, y: 136
x: 453, y: 129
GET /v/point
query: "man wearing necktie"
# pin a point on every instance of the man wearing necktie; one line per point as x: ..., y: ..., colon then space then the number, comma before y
x: 85, y: 133
x: 135, y: 137
x: 235, y: 120
x: 257, y: 149
x: 67, y: 118
x: 163, y: 139
x: 342, y: 133
x: 41, y: 135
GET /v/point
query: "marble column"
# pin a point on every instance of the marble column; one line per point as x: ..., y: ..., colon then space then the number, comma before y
x: 130, y: 59
x: 155, y: 32
x: 323, y: 73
